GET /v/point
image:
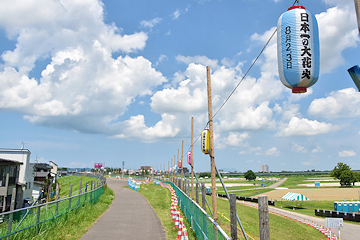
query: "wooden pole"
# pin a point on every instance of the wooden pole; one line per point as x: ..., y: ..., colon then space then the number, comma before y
x: 177, y: 171
x: 357, y: 9
x: 12, y: 208
x: 197, y: 193
x: 57, y: 198
x: 182, y: 163
x: 212, y: 153
x: 233, y: 220
x: 203, y: 195
x: 264, y: 218
x: 192, y: 158
x: 70, y: 192
x: 6, y: 187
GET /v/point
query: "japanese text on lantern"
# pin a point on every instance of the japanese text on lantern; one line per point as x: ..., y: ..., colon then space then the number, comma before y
x: 288, y: 49
x: 306, y: 54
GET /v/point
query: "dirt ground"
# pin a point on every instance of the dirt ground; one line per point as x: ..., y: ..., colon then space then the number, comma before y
x: 319, y: 193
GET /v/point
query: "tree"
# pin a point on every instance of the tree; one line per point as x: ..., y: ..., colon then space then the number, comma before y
x: 356, y: 177
x: 347, y: 177
x: 250, y: 175
x: 339, y: 169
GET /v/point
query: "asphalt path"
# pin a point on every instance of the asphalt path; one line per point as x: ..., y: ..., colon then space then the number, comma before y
x: 129, y: 216
x: 278, y: 183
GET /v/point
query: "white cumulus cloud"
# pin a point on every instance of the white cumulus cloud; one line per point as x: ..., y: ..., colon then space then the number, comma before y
x: 273, y: 152
x: 342, y: 103
x: 346, y: 153
x: 305, y: 127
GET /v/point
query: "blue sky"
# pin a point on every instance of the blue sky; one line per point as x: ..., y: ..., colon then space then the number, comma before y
x: 87, y: 81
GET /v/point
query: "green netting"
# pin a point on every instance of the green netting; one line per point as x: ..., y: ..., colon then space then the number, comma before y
x: 48, y: 215
x: 200, y: 222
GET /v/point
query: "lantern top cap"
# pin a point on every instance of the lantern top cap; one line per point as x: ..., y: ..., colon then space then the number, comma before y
x: 295, y: 7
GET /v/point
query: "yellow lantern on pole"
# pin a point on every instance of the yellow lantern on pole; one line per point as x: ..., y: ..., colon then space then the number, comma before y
x: 205, y: 141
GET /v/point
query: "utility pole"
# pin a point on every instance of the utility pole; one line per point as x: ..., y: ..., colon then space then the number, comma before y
x: 357, y: 9
x: 123, y: 169
x: 177, y: 171
x: 212, y: 153
x: 192, y: 158
x: 182, y: 164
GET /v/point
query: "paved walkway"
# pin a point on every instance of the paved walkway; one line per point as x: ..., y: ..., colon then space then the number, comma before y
x: 129, y: 216
x: 275, y: 185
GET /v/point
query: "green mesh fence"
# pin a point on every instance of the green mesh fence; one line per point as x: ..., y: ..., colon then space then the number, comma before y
x: 43, y: 216
x: 204, y: 228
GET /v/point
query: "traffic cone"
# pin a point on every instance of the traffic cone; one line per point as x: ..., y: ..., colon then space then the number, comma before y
x: 295, y: 217
x: 173, y: 214
x: 180, y: 229
x: 184, y: 235
x: 177, y: 220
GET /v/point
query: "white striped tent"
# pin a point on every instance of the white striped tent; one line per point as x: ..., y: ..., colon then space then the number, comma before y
x: 295, y: 196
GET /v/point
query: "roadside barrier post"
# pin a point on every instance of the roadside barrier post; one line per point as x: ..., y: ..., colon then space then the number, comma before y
x: 57, y: 198
x: 203, y: 196
x: 91, y: 193
x: 86, y: 186
x: 80, y: 186
x: 37, y: 215
x: 197, y: 193
x: 12, y: 207
x: 70, y: 192
x: 233, y: 220
x: 264, y: 218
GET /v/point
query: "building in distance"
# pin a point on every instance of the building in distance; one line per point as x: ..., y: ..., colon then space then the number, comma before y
x: 264, y: 168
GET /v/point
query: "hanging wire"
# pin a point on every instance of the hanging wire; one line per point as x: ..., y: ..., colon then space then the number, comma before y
x: 262, y: 50
x: 233, y: 91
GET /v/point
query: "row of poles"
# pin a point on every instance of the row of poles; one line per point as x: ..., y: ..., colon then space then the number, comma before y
x: 175, y: 162
x: 212, y: 160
